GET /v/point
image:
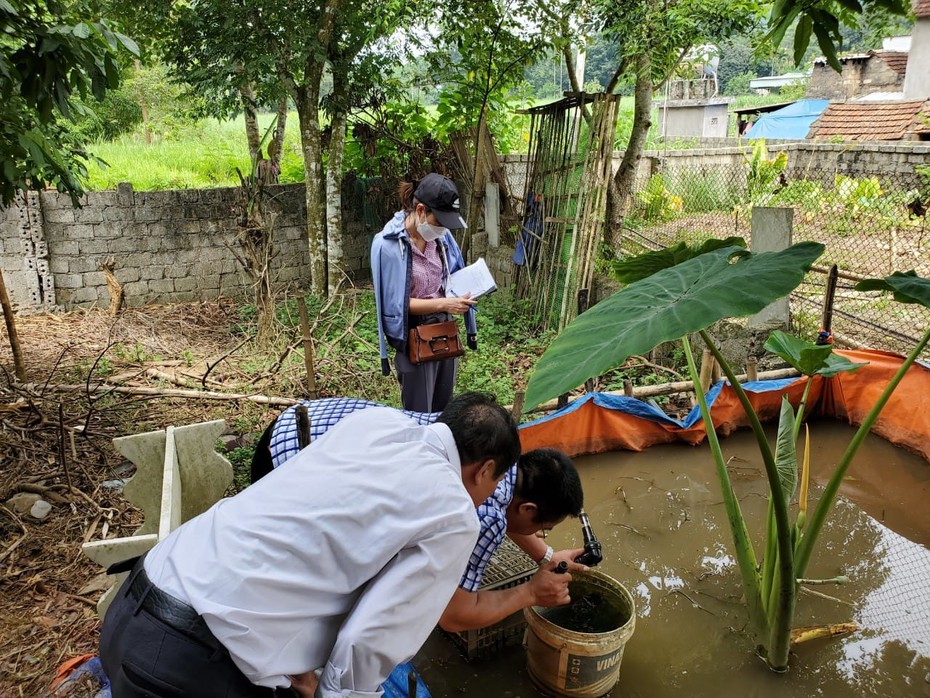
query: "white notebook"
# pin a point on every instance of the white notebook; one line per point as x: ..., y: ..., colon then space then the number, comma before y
x: 475, y: 279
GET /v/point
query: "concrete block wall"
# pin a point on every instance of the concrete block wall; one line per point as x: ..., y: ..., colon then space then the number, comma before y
x: 164, y: 245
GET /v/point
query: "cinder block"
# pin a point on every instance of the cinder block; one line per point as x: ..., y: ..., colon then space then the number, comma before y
x: 161, y: 286
x: 125, y: 195
x: 82, y: 265
x: 85, y: 295
x: 148, y: 213
x: 127, y: 275
x: 152, y: 272
x: 136, y: 292
x: 88, y: 215
x: 186, y: 283
x: 117, y: 213
x: 95, y: 247
x: 68, y: 281
x: 59, y: 214
x: 94, y: 278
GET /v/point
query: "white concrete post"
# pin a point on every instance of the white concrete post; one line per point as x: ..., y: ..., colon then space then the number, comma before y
x: 771, y: 231
x: 492, y: 210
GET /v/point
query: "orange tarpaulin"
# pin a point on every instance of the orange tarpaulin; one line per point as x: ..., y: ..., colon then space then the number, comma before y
x: 598, y: 423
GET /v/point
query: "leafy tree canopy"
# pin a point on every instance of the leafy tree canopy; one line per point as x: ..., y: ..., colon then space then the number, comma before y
x: 49, y: 52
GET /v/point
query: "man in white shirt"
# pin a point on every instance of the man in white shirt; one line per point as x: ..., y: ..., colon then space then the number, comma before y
x: 345, y: 570
x: 535, y: 494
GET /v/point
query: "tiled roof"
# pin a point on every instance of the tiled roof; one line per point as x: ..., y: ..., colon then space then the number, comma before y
x: 922, y: 9
x: 870, y: 121
x: 896, y: 60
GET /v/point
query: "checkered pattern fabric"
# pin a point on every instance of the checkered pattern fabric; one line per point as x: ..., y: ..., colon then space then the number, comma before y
x: 323, y: 413
x: 492, y: 513
x: 426, y: 271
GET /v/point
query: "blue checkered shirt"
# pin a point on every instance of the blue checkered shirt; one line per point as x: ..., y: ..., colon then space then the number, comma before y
x: 325, y: 412
x: 492, y: 514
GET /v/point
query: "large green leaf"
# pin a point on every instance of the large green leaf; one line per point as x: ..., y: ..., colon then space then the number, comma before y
x: 907, y: 287
x: 808, y: 358
x: 643, y: 265
x: 667, y: 305
x: 786, y: 457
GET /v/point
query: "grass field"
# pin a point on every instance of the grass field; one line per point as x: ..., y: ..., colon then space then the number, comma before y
x: 207, y: 154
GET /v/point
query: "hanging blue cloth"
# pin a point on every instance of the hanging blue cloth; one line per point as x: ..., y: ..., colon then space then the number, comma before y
x: 531, y: 233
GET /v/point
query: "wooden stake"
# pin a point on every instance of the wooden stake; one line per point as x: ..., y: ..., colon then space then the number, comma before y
x: 303, y: 427
x: 628, y: 387
x: 707, y: 368
x: 826, y: 319
x: 19, y: 365
x: 312, y: 390
x: 519, y: 399
x: 752, y: 368
x: 715, y: 372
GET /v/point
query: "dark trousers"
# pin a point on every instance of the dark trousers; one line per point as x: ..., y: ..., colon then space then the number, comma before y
x: 425, y: 387
x: 262, y: 464
x: 146, y: 657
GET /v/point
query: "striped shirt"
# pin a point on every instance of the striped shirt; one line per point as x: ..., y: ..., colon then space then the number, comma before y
x: 325, y: 412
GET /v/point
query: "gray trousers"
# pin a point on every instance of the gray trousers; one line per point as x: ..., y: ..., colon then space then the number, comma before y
x: 425, y: 387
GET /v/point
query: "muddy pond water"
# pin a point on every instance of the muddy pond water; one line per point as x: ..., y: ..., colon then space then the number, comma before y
x: 660, y: 518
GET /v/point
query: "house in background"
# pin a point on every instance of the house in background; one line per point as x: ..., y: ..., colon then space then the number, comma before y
x: 878, y: 106
x: 902, y: 120
x: 863, y: 74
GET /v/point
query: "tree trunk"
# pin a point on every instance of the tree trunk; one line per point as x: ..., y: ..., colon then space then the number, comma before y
x: 642, y: 121
x: 144, y: 107
x: 310, y: 143
x: 280, y: 124
x: 251, y: 120
x: 334, y: 228
x: 478, y: 180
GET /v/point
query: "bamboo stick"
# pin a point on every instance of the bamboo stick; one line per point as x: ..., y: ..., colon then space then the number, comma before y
x: 672, y: 388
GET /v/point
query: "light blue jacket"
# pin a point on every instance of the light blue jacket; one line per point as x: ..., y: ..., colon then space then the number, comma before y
x: 391, y: 265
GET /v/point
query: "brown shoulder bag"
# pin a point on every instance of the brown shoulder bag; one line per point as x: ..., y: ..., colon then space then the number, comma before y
x: 434, y: 342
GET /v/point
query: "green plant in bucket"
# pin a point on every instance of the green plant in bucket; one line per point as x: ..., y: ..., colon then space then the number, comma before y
x: 671, y: 296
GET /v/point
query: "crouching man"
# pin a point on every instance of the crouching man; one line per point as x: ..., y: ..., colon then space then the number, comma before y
x: 538, y: 492
x: 345, y: 570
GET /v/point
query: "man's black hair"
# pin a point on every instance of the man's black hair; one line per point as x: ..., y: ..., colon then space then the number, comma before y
x: 548, y: 478
x: 482, y: 429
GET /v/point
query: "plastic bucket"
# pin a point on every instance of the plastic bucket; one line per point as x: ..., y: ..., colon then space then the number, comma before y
x: 582, y: 664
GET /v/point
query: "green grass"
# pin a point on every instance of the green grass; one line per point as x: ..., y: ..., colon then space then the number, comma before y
x: 201, y: 156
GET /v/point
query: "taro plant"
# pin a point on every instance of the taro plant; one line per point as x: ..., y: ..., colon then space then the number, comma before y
x: 674, y: 293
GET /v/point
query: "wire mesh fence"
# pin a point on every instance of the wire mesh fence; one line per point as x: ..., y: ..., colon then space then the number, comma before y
x: 872, y: 223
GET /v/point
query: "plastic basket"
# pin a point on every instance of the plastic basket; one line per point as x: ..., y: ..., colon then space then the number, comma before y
x: 508, y: 567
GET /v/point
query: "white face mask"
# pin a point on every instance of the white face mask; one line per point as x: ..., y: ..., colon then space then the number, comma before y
x: 428, y: 231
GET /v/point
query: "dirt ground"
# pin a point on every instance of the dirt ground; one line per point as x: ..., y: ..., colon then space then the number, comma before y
x: 57, y: 443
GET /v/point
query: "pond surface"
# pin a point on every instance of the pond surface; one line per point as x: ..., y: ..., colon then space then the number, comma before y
x: 661, y: 521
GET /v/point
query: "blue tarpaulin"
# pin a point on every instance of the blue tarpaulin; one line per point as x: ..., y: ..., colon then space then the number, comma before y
x: 791, y: 122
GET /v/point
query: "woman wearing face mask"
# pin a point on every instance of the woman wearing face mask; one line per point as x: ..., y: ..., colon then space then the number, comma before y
x: 411, y: 260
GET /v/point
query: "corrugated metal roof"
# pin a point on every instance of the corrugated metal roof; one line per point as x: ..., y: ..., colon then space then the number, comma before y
x: 896, y: 60
x: 871, y: 121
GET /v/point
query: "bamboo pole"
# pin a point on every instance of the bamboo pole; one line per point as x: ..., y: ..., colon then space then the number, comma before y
x: 752, y: 368
x: 38, y: 388
x: 645, y: 391
x: 706, y: 369
x: 19, y: 366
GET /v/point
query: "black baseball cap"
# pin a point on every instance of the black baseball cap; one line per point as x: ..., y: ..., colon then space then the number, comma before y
x: 440, y: 195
